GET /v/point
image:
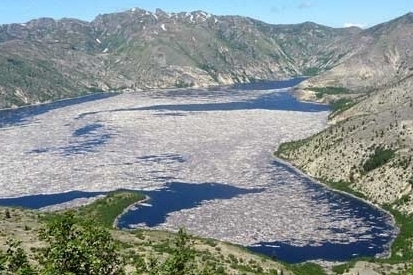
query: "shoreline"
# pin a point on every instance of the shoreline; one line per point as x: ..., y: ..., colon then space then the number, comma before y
x: 125, y: 210
x: 40, y: 104
x: 393, y: 219
x: 148, y: 89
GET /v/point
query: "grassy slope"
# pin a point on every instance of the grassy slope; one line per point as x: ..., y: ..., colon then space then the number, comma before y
x: 105, y: 211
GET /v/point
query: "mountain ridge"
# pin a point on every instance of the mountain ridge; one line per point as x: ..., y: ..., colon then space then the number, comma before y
x: 137, y: 49
x: 383, y: 56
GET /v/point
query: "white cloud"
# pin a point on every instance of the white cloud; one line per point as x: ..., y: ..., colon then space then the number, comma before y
x: 348, y: 25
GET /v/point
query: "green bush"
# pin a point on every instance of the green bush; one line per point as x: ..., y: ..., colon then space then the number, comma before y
x: 321, y: 91
x: 378, y: 158
x: 341, y: 105
x: 307, y: 268
x: 79, y: 249
x: 401, y: 248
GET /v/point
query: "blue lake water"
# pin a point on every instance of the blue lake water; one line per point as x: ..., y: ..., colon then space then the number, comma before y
x: 20, y: 115
x: 176, y: 196
x: 275, y: 101
x: 43, y: 200
x: 376, y: 219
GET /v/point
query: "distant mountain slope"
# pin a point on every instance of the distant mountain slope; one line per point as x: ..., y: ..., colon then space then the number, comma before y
x: 45, y: 59
x: 369, y: 146
x: 382, y: 57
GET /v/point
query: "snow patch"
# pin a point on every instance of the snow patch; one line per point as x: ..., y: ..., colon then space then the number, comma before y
x: 163, y: 27
x: 97, y: 40
x: 202, y: 16
x: 105, y: 50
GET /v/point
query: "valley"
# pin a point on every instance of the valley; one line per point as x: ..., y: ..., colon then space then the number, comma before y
x: 169, y: 126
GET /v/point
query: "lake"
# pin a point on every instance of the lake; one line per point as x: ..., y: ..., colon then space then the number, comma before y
x: 203, y: 156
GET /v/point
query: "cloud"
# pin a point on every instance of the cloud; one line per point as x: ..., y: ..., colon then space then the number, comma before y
x: 358, y: 25
x: 305, y: 5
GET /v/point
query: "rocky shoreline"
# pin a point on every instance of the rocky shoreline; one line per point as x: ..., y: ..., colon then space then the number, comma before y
x: 393, y: 220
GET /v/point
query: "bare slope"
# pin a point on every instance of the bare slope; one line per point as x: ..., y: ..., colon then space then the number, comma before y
x: 382, y: 120
x: 382, y: 57
x: 370, y: 144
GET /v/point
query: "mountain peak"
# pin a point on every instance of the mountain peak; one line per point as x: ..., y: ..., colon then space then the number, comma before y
x: 404, y: 19
x: 408, y: 16
x: 160, y: 12
x: 41, y: 22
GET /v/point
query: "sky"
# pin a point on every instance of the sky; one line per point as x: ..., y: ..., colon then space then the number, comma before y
x: 333, y: 13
